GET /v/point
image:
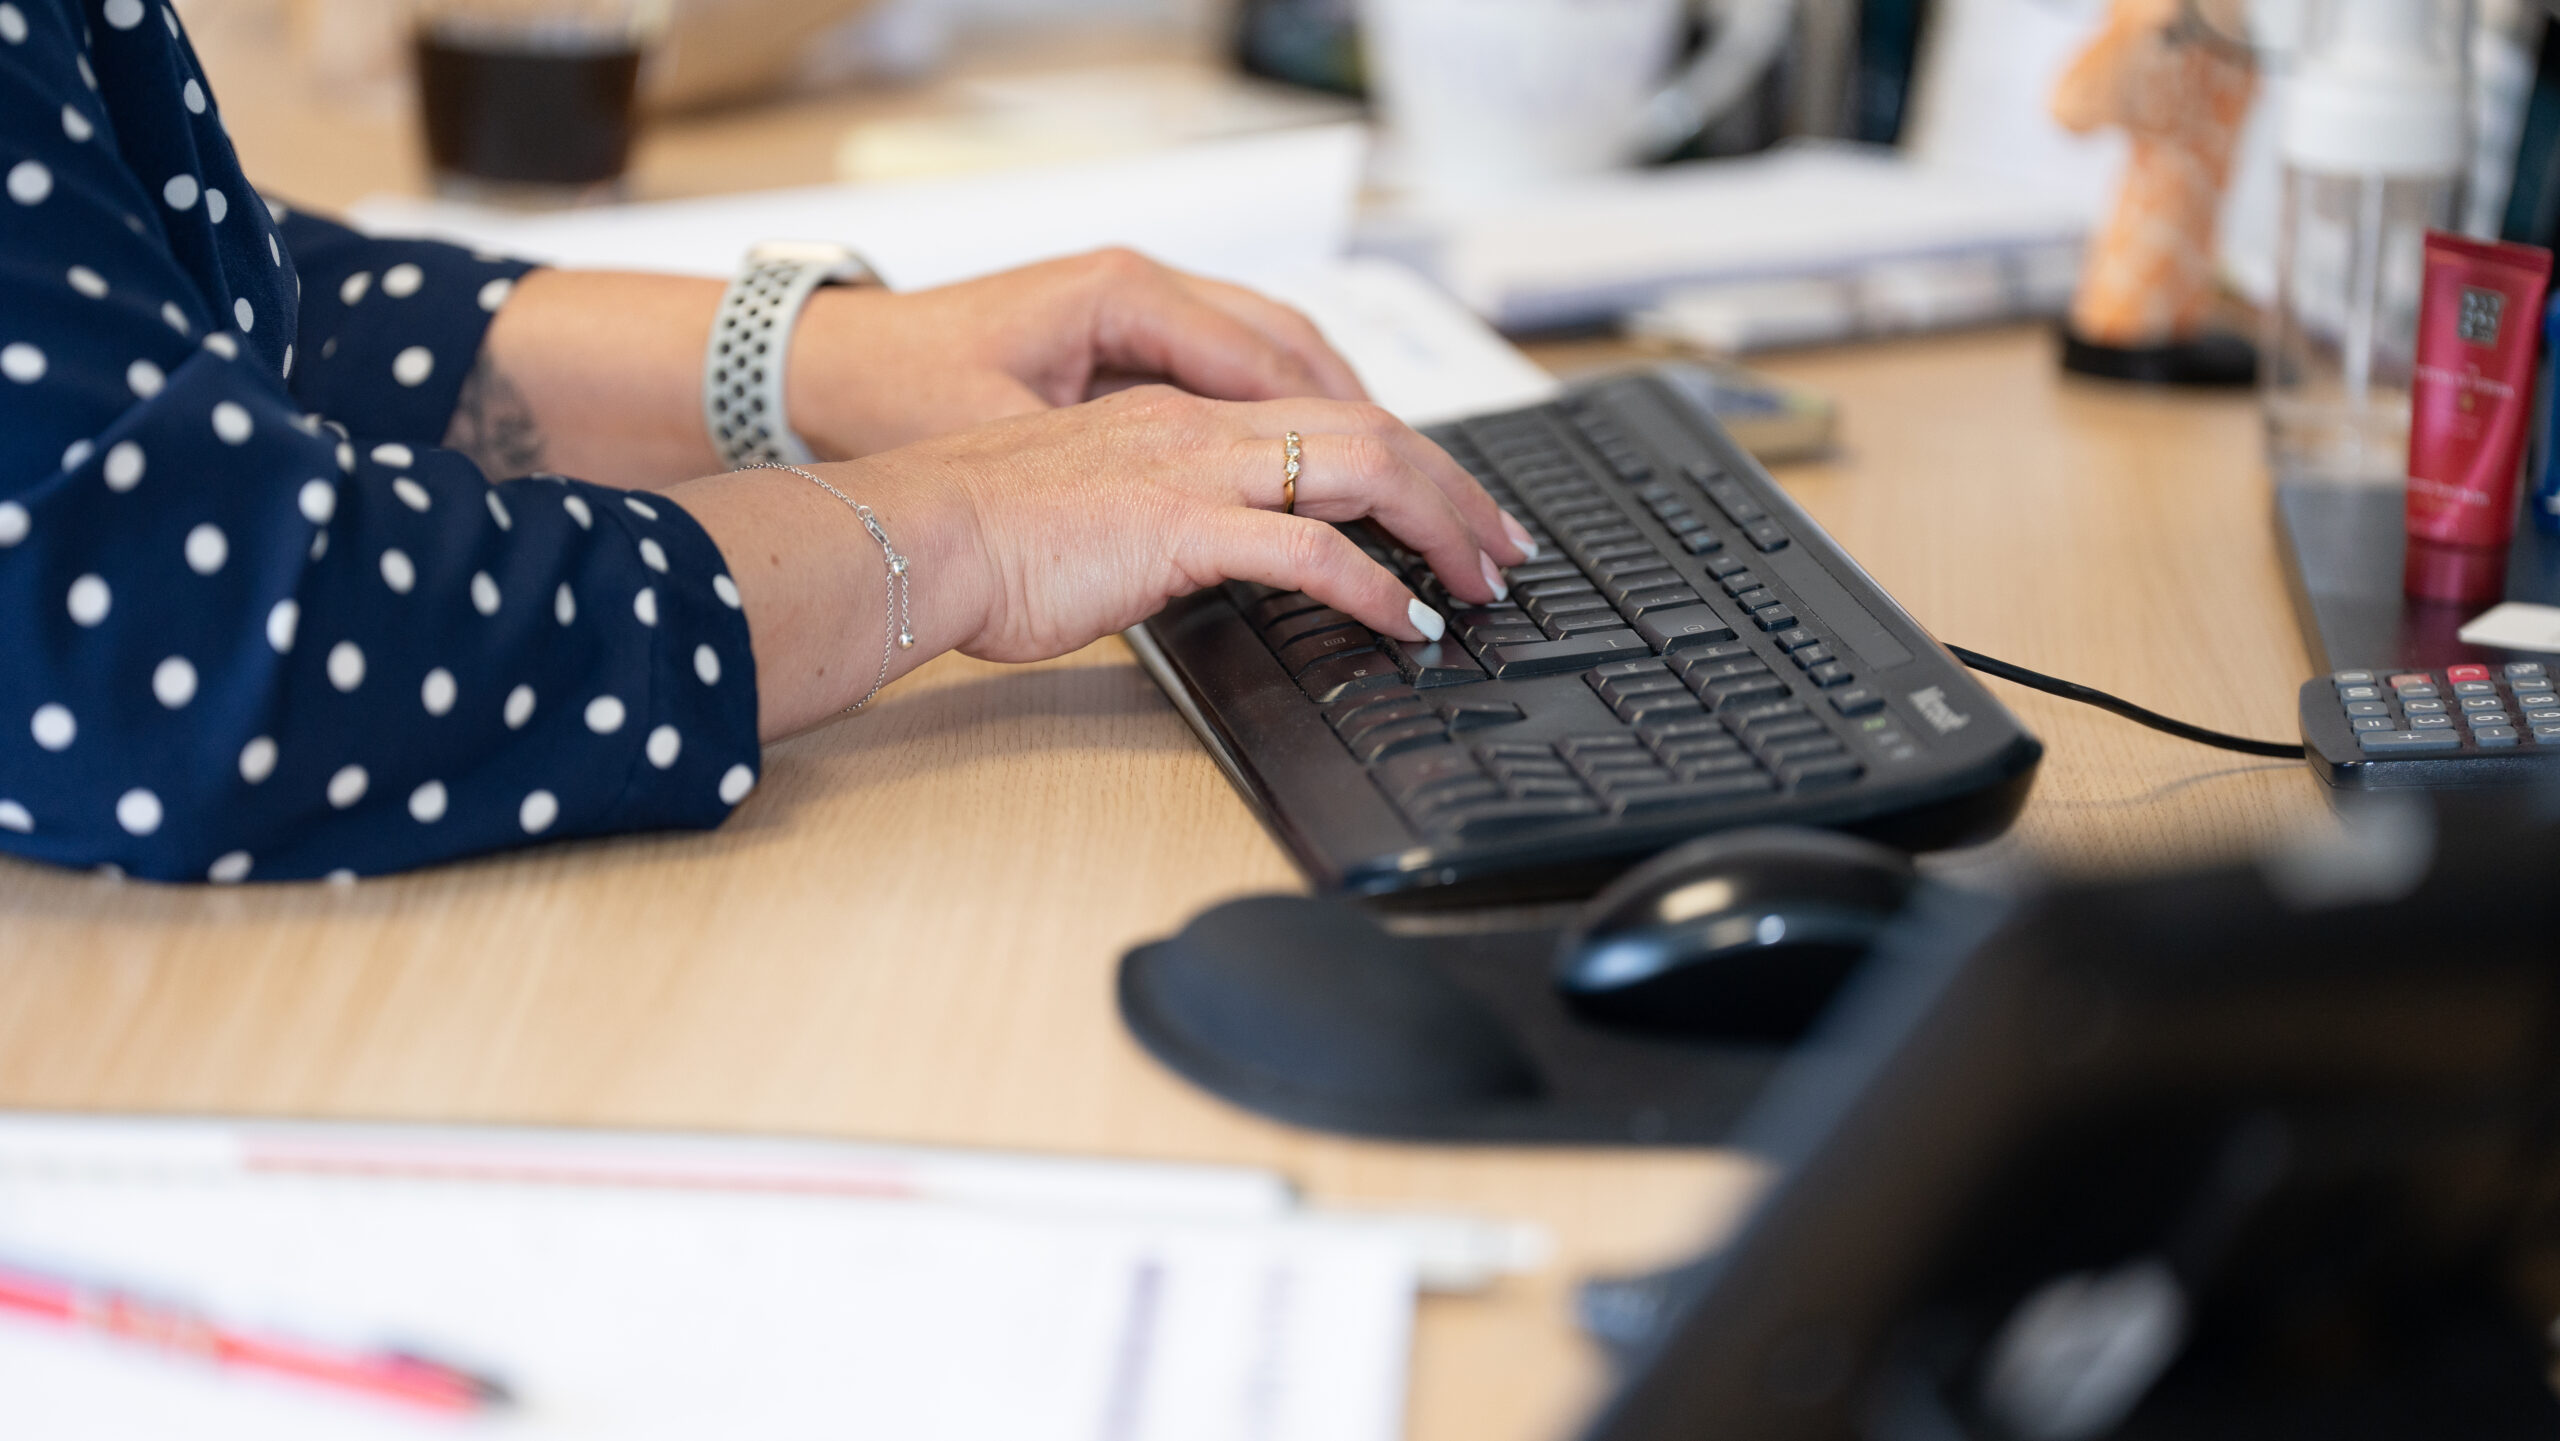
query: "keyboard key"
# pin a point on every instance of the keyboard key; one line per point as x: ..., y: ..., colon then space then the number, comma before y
x: 1469, y: 715
x: 1857, y: 701
x: 1692, y: 659
x: 1501, y: 817
x: 1362, y: 716
x: 1504, y: 635
x: 2481, y: 702
x: 1410, y: 774
x: 1299, y: 654
x: 2423, y: 707
x: 1759, y: 597
x: 2415, y: 692
x: 2352, y: 677
x: 1556, y: 657
x: 1764, y: 713
x: 1599, y: 553
x: 2359, y: 692
x: 1667, y: 733
x: 1544, y: 788
x: 1659, y: 598
x: 1627, y: 565
x: 1830, y: 673
x: 1654, y: 705
x: 1820, y: 772
x: 1724, y: 669
x: 2367, y: 708
x: 1610, y: 779
x: 1740, y: 582
x: 1439, y: 663
x: 2391, y: 741
x: 1742, y: 690
x: 1655, y: 682
x: 1812, y: 655
x: 1547, y: 609
x: 1801, y: 747
x: 2430, y: 722
x: 2371, y: 723
x: 2474, y: 687
x: 1712, y: 767
x: 2495, y: 735
x: 1328, y: 681
x: 1553, y: 590
x: 2531, y: 685
x: 2460, y: 673
x: 1579, y: 747
x: 1795, y: 640
x: 1379, y: 742
x: 2481, y: 719
x: 2402, y: 680
x: 2519, y: 668
x: 1767, y: 534
x: 1298, y: 627
x: 1680, y: 795
x: 1726, y: 565
x: 1580, y: 622
x: 1776, y: 617
x: 1265, y: 612
x: 2539, y: 716
x: 1621, y: 669
x: 1681, y: 627
x: 1529, y: 572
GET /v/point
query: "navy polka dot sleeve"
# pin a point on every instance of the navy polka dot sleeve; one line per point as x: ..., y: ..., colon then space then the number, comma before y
x: 260, y: 626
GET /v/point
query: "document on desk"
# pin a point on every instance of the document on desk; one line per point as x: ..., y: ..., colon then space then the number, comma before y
x: 775, y: 1300
x: 1273, y: 211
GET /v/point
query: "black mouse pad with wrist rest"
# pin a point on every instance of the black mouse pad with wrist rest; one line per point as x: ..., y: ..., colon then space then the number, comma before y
x: 1443, y: 1030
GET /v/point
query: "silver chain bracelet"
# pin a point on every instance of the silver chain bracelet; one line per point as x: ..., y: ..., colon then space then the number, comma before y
x: 894, y: 639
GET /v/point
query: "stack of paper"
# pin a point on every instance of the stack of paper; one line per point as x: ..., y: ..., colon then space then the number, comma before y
x: 636, y: 1287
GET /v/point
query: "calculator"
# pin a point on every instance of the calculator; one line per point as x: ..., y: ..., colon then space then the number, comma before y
x: 2456, y: 726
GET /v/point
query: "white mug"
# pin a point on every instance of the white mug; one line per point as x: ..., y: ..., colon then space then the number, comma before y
x: 1495, y: 94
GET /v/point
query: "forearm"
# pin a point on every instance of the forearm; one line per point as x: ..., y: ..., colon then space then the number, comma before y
x: 813, y: 582
x: 593, y: 373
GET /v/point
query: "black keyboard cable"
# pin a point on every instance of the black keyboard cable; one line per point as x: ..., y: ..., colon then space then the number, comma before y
x: 2073, y: 690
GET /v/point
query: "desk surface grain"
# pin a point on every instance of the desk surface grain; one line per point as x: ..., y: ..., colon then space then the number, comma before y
x: 909, y: 932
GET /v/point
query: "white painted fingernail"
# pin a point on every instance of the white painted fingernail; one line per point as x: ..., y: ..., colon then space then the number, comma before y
x: 1426, y: 620
x: 1493, y: 577
x: 1519, y: 535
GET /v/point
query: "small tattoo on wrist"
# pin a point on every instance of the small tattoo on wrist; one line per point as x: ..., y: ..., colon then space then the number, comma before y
x: 493, y: 425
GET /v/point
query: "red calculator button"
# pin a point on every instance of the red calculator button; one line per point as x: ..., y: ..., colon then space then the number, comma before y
x: 2409, y: 678
x: 2460, y: 673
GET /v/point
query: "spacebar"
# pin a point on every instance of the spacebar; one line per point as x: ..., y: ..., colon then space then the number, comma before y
x: 1574, y: 652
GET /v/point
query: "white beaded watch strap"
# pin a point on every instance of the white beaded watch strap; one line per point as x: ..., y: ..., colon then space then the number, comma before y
x: 742, y: 373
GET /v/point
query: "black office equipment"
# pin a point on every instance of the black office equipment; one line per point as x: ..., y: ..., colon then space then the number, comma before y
x: 2260, y: 1151
x: 1692, y: 654
x: 1741, y: 936
x: 1311, y: 1011
x: 2460, y: 726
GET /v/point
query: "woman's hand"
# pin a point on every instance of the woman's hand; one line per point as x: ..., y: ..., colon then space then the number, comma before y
x: 872, y: 370
x: 1034, y: 536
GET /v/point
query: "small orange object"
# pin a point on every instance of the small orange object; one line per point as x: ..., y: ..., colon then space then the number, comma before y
x: 2181, y: 95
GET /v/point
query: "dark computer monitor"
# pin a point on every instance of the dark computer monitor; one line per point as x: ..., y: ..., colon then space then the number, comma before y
x: 2259, y: 1151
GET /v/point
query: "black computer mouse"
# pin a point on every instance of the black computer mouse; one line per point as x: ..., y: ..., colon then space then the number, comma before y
x: 1740, y: 936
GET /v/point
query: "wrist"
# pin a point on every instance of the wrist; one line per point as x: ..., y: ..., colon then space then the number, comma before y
x: 825, y: 392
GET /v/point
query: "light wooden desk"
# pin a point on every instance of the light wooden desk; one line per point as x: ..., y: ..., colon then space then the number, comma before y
x: 909, y: 932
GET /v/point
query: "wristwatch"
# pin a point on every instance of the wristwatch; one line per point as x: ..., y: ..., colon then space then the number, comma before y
x: 742, y: 389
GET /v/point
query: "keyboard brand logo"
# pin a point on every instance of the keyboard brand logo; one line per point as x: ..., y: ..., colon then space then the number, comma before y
x: 1933, y: 708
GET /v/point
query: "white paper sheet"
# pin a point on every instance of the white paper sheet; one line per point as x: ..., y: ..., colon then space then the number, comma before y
x: 638, y: 1312
x: 1258, y: 205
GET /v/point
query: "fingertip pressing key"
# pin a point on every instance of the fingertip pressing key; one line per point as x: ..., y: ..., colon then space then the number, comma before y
x: 1426, y: 620
x: 1493, y: 577
x: 1519, y: 537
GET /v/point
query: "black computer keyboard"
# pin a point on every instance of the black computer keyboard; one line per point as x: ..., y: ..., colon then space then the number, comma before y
x: 1690, y: 653
x: 2458, y: 726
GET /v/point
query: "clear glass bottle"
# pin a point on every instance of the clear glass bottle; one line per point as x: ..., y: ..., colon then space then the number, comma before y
x: 2373, y: 142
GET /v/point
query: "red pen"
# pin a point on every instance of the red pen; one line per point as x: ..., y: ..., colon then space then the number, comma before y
x: 387, y: 1375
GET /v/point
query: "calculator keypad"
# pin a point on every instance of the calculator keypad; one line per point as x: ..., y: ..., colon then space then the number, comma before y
x: 2417, y: 713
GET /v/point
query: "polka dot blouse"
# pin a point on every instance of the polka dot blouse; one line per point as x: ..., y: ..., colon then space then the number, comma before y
x: 254, y: 623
